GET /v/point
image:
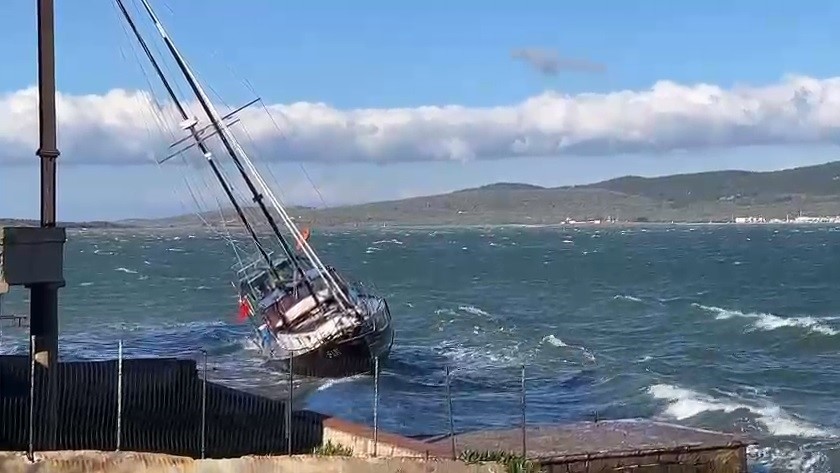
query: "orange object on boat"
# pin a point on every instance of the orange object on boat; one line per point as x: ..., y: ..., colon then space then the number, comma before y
x: 305, y: 235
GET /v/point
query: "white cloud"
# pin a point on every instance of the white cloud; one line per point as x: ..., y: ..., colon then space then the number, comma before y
x: 117, y: 127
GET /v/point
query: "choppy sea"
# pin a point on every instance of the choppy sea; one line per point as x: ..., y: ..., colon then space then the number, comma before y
x: 723, y: 327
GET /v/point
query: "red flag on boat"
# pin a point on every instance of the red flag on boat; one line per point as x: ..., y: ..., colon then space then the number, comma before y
x: 244, y: 308
x: 305, y: 236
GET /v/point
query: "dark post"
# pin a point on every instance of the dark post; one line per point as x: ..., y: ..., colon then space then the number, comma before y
x: 204, y: 405
x: 524, y: 422
x: 450, y: 415
x: 44, y: 308
x: 34, y: 256
x: 44, y: 296
x: 48, y: 151
x: 289, y: 406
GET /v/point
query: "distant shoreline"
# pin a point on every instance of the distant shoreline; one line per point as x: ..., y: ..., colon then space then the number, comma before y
x: 203, y: 229
x: 708, y: 198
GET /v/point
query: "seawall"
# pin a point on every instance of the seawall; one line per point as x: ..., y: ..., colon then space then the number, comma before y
x: 163, y: 406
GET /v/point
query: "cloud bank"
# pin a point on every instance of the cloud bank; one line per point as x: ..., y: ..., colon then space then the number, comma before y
x: 117, y: 127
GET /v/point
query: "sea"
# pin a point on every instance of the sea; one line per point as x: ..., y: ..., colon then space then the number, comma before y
x: 731, y: 328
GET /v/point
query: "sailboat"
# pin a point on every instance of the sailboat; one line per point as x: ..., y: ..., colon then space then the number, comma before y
x: 306, y: 315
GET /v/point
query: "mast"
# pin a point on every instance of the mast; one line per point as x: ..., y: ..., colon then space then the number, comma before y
x: 258, y: 198
x: 235, y: 151
x: 204, y: 150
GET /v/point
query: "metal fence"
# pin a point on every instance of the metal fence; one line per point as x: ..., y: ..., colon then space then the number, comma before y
x: 168, y: 405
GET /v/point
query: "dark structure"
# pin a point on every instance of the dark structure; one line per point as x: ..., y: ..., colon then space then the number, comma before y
x: 163, y: 406
x: 34, y: 256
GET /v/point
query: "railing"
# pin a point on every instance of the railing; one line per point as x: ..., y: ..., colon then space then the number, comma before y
x: 169, y: 405
x: 173, y: 406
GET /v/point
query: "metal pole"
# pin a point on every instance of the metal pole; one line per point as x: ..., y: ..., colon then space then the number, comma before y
x: 289, y: 407
x: 31, y: 452
x: 524, y: 424
x: 375, y: 405
x: 204, y: 404
x: 44, y: 297
x: 119, y: 393
x: 44, y: 305
x: 451, y: 418
x: 48, y: 150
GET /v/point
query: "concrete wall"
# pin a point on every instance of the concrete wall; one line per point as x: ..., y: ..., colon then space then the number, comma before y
x: 128, y: 462
x: 690, y: 460
x: 360, y: 439
x: 714, y: 460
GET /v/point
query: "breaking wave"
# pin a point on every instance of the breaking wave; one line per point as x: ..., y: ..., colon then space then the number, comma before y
x: 473, y: 310
x: 685, y: 404
x: 552, y: 340
x: 769, y: 322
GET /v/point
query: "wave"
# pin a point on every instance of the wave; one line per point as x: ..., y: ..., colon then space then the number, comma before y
x: 125, y: 270
x: 481, y: 360
x: 624, y: 297
x: 329, y: 383
x: 552, y: 340
x: 473, y: 310
x: 685, y: 404
x: 768, y: 322
x: 768, y: 459
x: 393, y: 241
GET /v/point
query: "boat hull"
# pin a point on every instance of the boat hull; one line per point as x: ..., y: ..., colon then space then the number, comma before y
x: 344, y: 357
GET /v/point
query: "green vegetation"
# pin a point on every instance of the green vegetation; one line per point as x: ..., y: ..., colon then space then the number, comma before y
x: 330, y: 449
x: 513, y: 463
x: 701, y: 197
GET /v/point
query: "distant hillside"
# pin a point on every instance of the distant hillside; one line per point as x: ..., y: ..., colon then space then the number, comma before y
x: 10, y: 222
x: 740, y: 186
x: 699, y: 197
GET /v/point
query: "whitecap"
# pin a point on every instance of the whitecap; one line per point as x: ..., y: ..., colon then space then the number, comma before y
x: 557, y: 342
x: 684, y: 404
x: 473, y: 310
x: 768, y: 322
x: 392, y: 240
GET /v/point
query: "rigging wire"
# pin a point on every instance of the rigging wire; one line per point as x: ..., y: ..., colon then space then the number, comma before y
x: 185, y: 115
x: 155, y: 105
x: 282, y: 134
x: 237, y: 153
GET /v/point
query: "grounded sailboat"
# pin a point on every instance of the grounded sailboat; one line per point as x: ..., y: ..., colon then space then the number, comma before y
x: 305, y: 314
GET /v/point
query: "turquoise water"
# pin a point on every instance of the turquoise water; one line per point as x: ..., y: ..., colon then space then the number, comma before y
x: 729, y: 328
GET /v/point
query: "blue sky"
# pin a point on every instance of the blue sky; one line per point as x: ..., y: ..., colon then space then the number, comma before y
x: 395, y: 56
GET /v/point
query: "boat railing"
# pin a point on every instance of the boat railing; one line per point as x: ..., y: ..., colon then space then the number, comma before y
x: 243, y: 266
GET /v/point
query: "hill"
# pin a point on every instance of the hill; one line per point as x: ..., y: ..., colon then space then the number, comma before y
x: 697, y: 197
x: 740, y: 186
x: 10, y: 222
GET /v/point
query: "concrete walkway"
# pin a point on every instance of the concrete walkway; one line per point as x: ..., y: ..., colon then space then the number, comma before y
x: 129, y: 462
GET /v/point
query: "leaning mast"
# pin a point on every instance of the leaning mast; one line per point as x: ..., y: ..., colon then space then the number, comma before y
x: 190, y: 124
x: 235, y: 151
x: 201, y: 146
